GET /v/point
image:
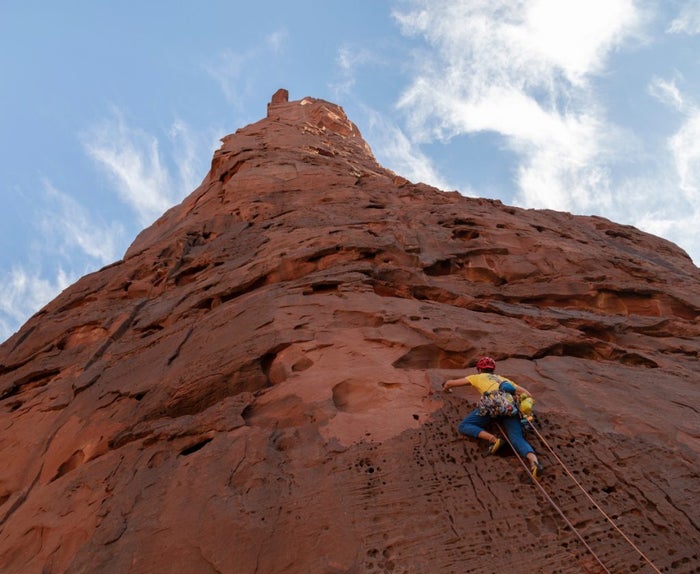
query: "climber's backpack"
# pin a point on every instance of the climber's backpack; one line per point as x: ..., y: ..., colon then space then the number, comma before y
x: 497, y: 404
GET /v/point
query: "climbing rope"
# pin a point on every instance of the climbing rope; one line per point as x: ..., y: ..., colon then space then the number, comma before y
x: 608, y: 518
x: 554, y: 504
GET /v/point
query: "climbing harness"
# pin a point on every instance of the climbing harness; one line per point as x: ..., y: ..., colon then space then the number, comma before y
x: 578, y: 484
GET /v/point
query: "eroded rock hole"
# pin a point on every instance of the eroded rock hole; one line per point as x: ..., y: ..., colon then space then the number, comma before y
x: 431, y: 357
x: 229, y: 173
x: 466, y: 234
x: 325, y: 287
x: 188, y: 275
x: 73, y: 462
x: 247, y: 413
x: 244, y: 288
x: 149, y: 330
x: 266, y: 362
x: 582, y: 350
x: 37, y: 379
x: 195, y: 447
x: 9, y: 392
x: 637, y: 360
x: 442, y: 267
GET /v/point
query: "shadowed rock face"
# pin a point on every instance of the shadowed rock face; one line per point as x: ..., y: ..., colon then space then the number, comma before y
x: 255, y: 387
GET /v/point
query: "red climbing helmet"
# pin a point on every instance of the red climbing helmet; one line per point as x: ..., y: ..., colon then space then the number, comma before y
x: 485, y: 364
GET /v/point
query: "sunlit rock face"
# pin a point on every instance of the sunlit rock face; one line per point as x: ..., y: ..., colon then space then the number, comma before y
x: 255, y: 387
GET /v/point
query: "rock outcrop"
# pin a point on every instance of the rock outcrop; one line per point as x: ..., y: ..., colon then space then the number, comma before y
x: 256, y: 386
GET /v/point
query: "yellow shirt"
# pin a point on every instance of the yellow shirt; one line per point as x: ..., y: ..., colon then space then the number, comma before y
x: 485, y: 382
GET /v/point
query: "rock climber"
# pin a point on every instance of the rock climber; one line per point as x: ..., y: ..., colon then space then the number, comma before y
x: 486, y: 382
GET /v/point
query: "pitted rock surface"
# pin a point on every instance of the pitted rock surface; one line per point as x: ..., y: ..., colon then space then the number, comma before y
x: 256, y: 386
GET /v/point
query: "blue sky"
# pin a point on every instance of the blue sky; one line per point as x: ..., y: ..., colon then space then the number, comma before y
x: 110, y: 111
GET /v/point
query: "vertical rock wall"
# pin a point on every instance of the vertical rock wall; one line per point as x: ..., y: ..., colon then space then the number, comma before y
x: 255, y: 387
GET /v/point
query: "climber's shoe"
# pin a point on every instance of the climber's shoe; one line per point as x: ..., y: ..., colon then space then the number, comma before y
x: 495, y: 445
x: 536, y: 469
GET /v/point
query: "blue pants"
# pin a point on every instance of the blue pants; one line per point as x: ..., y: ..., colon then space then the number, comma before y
x: 474, y: 423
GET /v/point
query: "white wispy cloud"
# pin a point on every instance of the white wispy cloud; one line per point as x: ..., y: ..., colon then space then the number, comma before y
x: 349, y: 61
x: 688, y: 19
x: 685, y: 148
x: 684, y: 144
x: 666, y: 201
x: 68, y: 227
x: 277, y: 40
x: 68, y: 241
x: 394, y: 149
x: 667, y: 92
x: 23, y: 292
x: 132, y: 159
x: 191, y: 152
x: 522, y: 70
x: 139, y: 168
x: 227, y: 70
x: 234, y: 70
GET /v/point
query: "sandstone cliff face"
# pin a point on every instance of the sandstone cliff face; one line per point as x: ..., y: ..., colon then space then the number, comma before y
x: 255, y: 387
